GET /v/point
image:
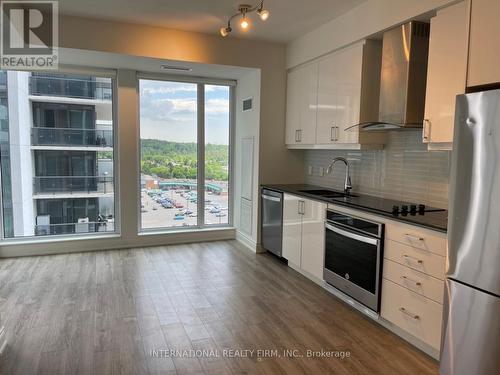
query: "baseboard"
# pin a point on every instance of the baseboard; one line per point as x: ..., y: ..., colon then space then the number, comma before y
x: 247, y: 241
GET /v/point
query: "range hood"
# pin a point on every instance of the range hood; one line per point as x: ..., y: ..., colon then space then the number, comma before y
x: 403, y: 78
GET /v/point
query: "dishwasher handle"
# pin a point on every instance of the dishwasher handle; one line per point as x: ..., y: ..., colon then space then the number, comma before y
x: 270, y: 198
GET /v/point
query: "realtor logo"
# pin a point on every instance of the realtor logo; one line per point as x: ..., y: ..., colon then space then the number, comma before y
x: 29, y: 35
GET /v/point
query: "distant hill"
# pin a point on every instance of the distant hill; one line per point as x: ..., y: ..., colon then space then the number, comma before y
x: 178, y: 160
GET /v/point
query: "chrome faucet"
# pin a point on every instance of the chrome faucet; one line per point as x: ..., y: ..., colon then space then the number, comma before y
x: 347, y: 182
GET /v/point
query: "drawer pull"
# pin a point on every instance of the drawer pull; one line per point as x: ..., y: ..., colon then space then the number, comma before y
x: 417, y: 283
x: 411, y: 315
x: 409, y: 258
x: 414, y: 238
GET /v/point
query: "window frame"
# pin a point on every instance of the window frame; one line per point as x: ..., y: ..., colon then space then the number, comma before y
x: 201, y: 82
x: 95, y: 72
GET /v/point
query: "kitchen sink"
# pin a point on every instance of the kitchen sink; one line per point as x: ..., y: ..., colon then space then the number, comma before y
x: 327, y: 193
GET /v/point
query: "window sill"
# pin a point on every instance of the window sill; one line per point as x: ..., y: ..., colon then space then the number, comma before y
x: 153, y: 232
x: 55, y: 239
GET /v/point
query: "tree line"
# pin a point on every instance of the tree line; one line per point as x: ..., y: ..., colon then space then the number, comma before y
x: 179, y: 160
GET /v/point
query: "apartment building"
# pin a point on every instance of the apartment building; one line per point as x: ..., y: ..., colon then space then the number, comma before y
x: 60, y: 146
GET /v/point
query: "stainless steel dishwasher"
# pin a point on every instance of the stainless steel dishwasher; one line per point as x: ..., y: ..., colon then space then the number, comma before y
x: 272, y: 221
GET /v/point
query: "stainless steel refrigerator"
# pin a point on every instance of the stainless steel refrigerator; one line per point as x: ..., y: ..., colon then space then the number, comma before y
x: 471, y: 337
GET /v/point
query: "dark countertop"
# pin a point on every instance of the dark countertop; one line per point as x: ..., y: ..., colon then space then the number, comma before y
x: 436, y: 220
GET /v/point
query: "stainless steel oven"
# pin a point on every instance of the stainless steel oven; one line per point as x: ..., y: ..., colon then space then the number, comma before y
x: 353, y: 257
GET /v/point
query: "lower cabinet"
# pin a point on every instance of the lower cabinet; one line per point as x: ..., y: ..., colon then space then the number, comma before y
x: 413, y: 281
x: 304, y: 234
x: 414, y: 313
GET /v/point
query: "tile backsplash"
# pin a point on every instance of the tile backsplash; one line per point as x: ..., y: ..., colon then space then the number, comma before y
x: 403, y: 170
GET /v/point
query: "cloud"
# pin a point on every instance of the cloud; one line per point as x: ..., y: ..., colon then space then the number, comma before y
x: 217, y: 106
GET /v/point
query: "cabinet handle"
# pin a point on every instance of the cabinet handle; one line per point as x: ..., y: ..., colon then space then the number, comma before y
x: 417, y: 283
x: 413, y: 237
x: 411, y: 315
x: 407, y: 257
x: 425, y: 134
x: 301, y: 207
x: 332, y: 134
x: 336, y: 134
x: 298, y: 135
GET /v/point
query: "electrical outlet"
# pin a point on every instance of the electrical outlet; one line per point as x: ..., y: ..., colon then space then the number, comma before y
x: 310, y: 170
x: 321, y: 171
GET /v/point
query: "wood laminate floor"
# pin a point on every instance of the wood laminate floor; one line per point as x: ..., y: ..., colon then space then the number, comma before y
x: 104, y: 312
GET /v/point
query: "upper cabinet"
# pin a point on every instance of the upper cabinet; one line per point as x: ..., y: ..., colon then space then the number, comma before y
x: 302, y: 93
x: 330, y: 94
x: 446, y: 74
x: 484, y: 51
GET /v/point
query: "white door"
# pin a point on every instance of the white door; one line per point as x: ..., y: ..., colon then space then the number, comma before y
x: 313, y: 238
x: 446, y: 74
x: 292, y: 228
x: 308, y: 103
x: 484, y: 54
x: 292, y: 107
x: 327, y: 128
x: 302, y: 92
x: 350, y: 62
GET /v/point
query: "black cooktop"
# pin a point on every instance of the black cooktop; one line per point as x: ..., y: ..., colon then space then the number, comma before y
x: 388, y: 206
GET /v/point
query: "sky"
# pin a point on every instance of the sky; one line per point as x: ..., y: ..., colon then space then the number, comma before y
x: 168, y: 111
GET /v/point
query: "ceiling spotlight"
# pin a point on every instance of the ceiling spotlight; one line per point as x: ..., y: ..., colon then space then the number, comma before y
x: 224, y: 31
x: 243, y: 10
x: 244, y: 22
x: 263, y: 13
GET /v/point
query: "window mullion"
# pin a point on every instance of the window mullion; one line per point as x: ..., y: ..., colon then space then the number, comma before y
x: 201, y: 155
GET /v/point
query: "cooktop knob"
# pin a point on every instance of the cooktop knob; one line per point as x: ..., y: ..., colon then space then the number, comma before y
x: 395, y: 210
x: 413, y: 209
x: 421, y: 209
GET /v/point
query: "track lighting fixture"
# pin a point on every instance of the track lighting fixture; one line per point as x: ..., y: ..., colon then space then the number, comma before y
x: 243, y: 10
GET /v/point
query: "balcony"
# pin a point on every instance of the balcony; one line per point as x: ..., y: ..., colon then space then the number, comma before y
x: 72, y: 228
x: 71, y: 137
x: 73, y: 184
x: 70, y: 87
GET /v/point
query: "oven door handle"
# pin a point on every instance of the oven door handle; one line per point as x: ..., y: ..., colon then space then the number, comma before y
x: 351, y: 235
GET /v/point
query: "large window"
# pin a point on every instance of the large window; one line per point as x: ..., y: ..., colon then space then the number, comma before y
x: 182, y: 124
x: 56, y: 154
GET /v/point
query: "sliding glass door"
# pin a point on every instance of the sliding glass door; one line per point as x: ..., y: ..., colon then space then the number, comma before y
x: 183, y: 126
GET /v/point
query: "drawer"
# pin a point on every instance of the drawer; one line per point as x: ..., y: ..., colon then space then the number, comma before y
x: 417, y: 238
x: 412, y: 312
x: 416, y: 281
x: 417, y: 259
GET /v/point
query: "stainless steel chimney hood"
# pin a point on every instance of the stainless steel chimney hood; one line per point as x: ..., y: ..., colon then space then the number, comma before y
x: 403, y: 78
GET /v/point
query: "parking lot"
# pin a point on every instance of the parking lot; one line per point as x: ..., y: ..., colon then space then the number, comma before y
x: 154, y: 215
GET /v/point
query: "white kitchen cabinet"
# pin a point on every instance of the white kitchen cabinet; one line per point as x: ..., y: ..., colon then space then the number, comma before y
x: 347, y: 93
x: 484, y: 54
x: 446, y: 74
x: 302, y: 91
x: 303, y: 234
x: 292, y: 228
x: 313, y: 238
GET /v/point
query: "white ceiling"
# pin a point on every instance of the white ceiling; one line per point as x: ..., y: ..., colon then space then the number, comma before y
x: 288, y: 18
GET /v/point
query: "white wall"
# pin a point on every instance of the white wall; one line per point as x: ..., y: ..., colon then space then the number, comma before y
x: 370, y: 17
